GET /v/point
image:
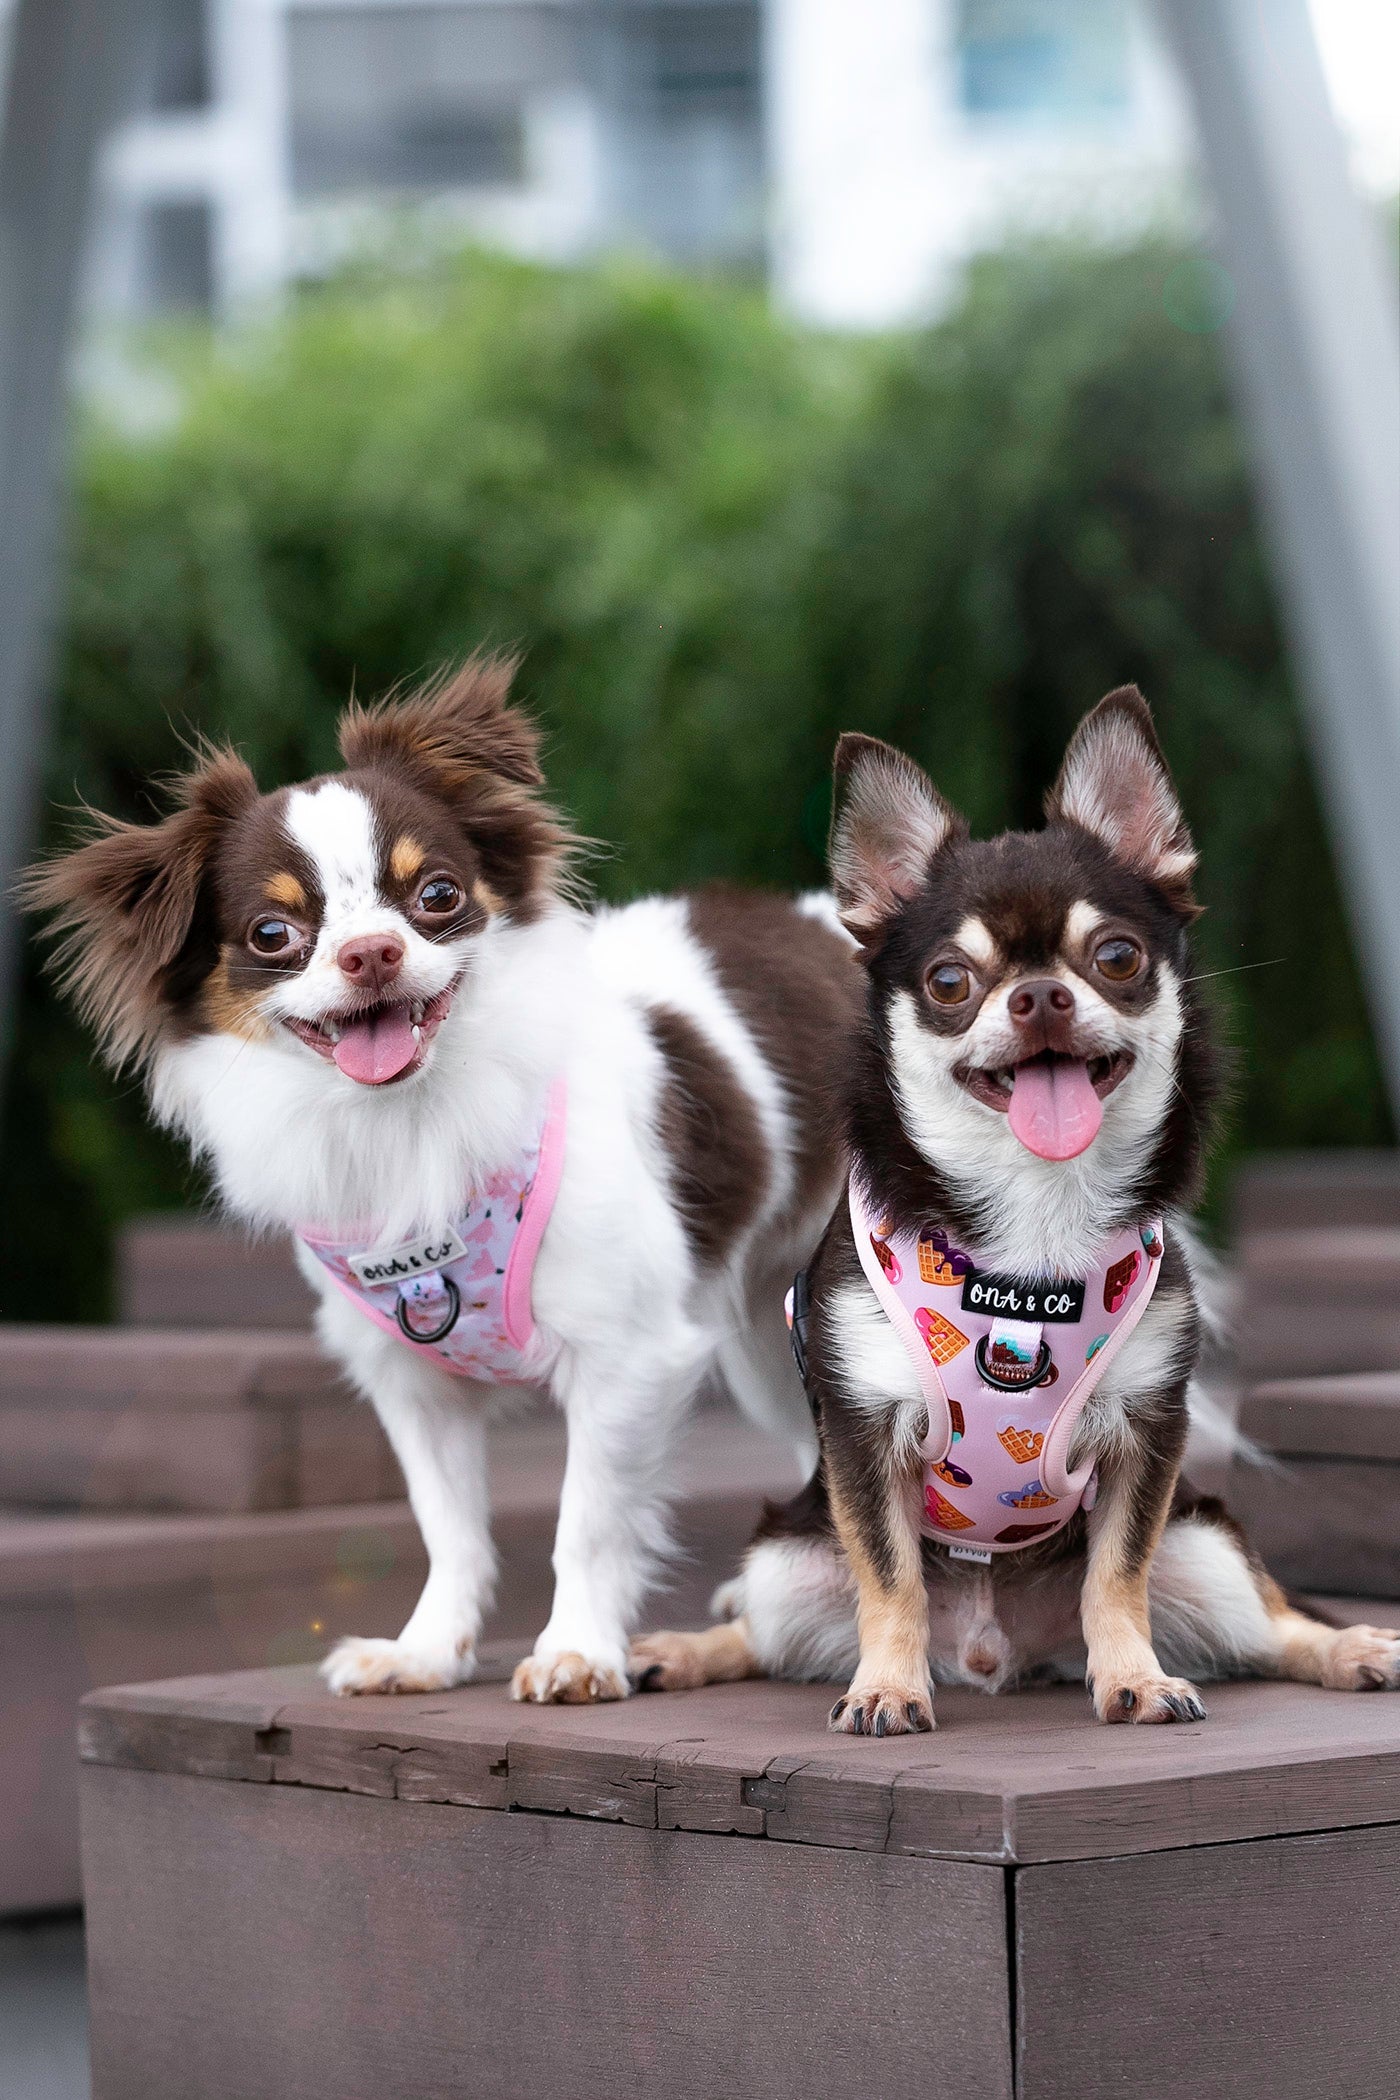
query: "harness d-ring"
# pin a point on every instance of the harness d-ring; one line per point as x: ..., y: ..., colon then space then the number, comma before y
x: 1012, y: 1385
x: 439, y: 1333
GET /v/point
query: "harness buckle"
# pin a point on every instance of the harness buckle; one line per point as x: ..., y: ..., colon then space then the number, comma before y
x: 444, y: 1328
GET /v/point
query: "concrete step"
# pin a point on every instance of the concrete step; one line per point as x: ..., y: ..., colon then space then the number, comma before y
x: 1324, y: 1510
x: 92, y: 1599
x: 102, y: 1418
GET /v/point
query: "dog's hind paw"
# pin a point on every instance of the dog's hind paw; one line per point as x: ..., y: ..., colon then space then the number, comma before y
x: 566, y: 1679
x: 1363, y: 1659
x: 359, y: 1665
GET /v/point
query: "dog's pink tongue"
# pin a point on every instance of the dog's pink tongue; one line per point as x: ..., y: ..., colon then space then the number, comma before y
x: 1054, y: 1110
x: 377, y: 1048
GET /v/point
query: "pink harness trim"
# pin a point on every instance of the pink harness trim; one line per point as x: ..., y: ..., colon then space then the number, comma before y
x: 1012, y: 1445
x: 488, y: 1272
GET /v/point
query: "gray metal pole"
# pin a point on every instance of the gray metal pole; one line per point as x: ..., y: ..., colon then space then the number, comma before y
x: 71, y: 67
x: 1317, y: 349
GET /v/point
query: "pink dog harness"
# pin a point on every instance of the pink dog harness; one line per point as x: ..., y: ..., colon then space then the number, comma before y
x: 990, y: 1352
x: 464, y: 1294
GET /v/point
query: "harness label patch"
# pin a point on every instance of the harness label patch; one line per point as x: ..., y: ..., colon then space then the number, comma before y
x: 1013, y: 1298
x: 413, y: 1258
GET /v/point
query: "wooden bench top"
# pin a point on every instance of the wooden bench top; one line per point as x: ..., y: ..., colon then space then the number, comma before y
x: 1025, y: 1778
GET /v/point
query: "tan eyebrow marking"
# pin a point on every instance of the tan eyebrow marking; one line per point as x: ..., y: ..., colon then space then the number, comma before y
x: 1081, y: 920
x: 284, y: 889
x: 406, y: 859
x: 487, y: 898
x: 974, y: 940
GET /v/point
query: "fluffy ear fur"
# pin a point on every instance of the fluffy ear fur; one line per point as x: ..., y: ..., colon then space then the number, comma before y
x: 127, y: 904
x: 889, y: 823
x: 456, y: 726
x: 1115, y: 783
x: 461, y: 741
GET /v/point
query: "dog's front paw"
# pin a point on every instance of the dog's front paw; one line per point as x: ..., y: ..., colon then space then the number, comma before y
x: 357, y: 1665
x: 566, y: 1678
x: 883, y: 1709
x: 1363, y: 1659
x: 1148, y: 1699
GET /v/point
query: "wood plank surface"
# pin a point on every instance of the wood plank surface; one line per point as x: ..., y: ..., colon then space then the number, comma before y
x: 255, y: 1942
x: 1028, y: 1777
x: 1227, y: 1972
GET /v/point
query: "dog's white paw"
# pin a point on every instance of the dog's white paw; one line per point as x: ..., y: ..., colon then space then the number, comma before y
x: 360, y: 1665
x: 566, y: 1678
x: 1363, y: 1659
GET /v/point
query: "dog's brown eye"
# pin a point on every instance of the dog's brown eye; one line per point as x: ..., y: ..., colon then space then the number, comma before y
x: 273, y: 937
x: 950, y: 984
x: 1118, y: 960
x: 439, y: 896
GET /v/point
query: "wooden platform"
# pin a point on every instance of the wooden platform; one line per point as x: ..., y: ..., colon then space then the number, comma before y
x: 96, y: 1599
x: 708, y: 1894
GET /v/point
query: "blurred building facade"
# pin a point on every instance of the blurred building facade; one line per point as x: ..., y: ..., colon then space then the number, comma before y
x: 853, y: 151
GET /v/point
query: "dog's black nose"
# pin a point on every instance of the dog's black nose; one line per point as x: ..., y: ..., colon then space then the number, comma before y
x: 1041, y: 1003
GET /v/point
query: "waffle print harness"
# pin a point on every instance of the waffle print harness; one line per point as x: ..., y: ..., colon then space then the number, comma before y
x: 1006, y: 1365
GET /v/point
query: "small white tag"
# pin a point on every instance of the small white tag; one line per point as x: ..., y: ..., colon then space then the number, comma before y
x: 413, y: 1258
x: 977, y: 1553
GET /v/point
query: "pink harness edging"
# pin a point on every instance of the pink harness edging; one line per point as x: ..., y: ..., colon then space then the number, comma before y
x: 989, y: 1350
x: 464, y: 1296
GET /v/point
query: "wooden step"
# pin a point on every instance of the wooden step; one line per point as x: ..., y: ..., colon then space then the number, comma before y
x: 1308, y: 1191
x: 104, y: 1418
x: 1324, y: 1510
x: 101, y: 1599
x: 709, y: 1895
x: 1325, y: 1299
x: 179, y: 1270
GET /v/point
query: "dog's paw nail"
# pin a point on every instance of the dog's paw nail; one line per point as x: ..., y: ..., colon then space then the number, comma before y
x: 881, y: 1723
x: 650, y: 1678
x: 838, y: 1710
x: 915, y: 1718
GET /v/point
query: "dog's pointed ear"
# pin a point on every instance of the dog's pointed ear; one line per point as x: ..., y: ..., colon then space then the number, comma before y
x: 889, y: 822
x: 451, y: 730
x: 126, y: 903
x: 1115, y: 783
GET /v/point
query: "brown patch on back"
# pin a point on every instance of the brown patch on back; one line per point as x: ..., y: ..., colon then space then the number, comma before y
x: 406, y: 859
x: 286, y: 889
x: 712, y: 1137
x: 800, y: 989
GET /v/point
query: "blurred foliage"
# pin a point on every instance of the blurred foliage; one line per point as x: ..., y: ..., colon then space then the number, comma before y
x: 719, y: 541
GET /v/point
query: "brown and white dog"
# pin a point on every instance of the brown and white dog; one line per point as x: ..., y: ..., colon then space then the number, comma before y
x: 1034, y: 1073
x: 353, y: 997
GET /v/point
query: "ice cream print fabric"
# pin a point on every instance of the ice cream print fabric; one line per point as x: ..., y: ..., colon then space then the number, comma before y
x: 1006, y: 1364
x: 463, y: 1294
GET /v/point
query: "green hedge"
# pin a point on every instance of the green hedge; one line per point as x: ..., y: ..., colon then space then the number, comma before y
x: 719, y: 541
